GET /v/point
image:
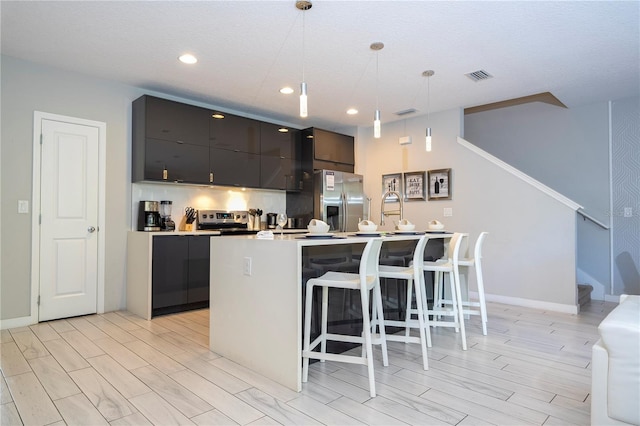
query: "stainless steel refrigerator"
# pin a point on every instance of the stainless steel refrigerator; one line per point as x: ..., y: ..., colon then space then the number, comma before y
x: 338, y: 199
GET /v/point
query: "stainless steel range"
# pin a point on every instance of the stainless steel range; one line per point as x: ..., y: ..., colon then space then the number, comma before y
x: 227, y: 222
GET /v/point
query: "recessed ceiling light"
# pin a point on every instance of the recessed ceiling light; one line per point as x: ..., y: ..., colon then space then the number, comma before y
x: 188, y: 58
x: 286, y: 90
x: 217, y: 115
x: 283, y: 130
x: 352, y: 111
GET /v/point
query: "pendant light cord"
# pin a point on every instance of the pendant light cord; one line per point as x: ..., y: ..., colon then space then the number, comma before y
x: 377, y: 80
x: 303, y: 44
x: 428, y: 99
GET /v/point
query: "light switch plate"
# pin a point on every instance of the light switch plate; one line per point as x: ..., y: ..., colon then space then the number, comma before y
x: 23, y: 206
x: 247, y: 266
x: 628, y: 212
x: 448, y: 212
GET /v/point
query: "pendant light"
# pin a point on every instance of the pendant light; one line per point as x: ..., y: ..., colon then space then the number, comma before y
x: 377, y: 47
x: 428, y: 74
x: 303, y: 6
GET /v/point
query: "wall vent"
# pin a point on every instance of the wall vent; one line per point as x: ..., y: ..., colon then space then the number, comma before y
x: 405, y: 111
x: 479, y: 75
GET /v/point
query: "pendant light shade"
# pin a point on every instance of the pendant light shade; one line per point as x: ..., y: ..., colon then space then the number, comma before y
x: 376, y: 124
x: 303, y: 6
x: 303, y: 100
x: 378, y: 46
x: 428, y: 74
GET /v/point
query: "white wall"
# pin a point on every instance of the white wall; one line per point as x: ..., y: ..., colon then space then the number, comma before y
x: 530, y: 252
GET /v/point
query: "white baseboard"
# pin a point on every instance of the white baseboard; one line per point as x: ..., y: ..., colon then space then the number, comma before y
x: 16, y: 322
x: 528, y: 303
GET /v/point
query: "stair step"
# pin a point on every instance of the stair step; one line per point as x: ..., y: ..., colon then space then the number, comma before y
x: 584, y: 294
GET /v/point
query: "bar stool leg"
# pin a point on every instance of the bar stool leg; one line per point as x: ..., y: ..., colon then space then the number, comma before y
x: 307, y: 331
x: 325, y: 308
x: 425, y: 307
x: 409, y: 308
x: 460, y: 318
x: 481, y: 299
x: 377, y: 299
x: 421, y: 321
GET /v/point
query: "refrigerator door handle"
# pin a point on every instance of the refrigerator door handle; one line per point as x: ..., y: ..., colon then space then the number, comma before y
x: 345, y: 212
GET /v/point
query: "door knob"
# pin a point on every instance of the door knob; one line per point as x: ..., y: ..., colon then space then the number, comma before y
x: 91, y: 229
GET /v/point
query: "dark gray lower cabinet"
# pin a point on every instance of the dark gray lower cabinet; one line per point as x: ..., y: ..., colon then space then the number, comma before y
x: 180, y: 273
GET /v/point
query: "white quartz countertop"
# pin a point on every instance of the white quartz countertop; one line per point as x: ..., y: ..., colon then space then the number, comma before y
x: 214, y: 233
x: 169, y: 233
x: 304, y: 239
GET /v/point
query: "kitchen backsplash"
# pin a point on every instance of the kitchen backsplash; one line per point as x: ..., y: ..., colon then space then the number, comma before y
x: 201, y: 197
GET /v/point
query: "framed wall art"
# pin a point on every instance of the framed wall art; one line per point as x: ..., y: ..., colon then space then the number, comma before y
x: 414, y: 186
x: 439, y: 184
x: 392, y: 182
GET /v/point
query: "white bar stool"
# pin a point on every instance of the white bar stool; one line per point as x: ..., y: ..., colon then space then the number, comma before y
x: 450, y: 267
x: 480, y: 306
x: 366, y: 281
x: 414, y: 275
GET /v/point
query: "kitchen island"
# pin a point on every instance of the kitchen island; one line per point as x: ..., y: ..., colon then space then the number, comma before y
x: 256, y: 299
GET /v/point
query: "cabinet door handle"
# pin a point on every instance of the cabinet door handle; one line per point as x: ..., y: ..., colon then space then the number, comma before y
x: 211, y: 177
x: 165, y: 174
x: 179, y: 142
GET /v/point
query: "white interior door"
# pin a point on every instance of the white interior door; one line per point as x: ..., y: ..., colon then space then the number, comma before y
x: 69, y: 219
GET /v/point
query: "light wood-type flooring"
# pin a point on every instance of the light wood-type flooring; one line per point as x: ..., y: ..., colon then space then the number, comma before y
x: 532, y: 368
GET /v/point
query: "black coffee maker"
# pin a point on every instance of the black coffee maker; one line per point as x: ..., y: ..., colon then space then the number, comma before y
x: 149, y: 216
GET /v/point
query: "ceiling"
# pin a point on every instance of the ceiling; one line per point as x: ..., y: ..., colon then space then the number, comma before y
x: 582, y: 52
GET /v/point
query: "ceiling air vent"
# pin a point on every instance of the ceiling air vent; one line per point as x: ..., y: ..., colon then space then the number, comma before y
x: 405, y: 112
x: 479, y: 75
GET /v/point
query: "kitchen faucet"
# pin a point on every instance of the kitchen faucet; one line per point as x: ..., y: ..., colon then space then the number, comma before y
x: 390, y: 212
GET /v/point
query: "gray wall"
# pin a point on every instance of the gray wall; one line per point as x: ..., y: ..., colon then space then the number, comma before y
x: 566, y: 149
x: 625, y: 174
x: 27, y: 88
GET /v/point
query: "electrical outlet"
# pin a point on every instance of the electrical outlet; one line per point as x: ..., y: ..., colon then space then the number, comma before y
x: 247, y: 266
x: 628, y: 212
x: 23, y: 206
x: 447, y: 212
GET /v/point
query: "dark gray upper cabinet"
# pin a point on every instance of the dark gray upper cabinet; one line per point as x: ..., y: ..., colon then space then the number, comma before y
x: 176, y: 142
x: 170, y: 141
x: 234, y: 168
x: 235, y: 133
x: 332, y: 147
x: 234, y: 156
x: 276, y: 143
x: 278, y: 166
x: 176, y: 162
x: 175, y: 121
x: 322, y: 149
